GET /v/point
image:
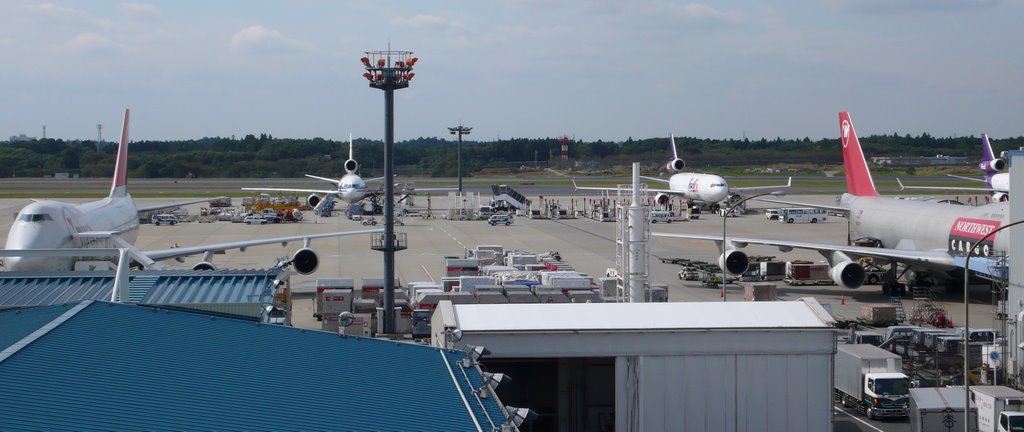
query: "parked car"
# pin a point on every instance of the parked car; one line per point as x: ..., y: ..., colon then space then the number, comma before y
x: 164, y: 218
x: 500, y: 219
x: 254, y: 219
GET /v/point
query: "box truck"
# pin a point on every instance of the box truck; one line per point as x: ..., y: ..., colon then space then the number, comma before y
x: 940, y: 409
x: 999, y: 408
x: 871, y: 379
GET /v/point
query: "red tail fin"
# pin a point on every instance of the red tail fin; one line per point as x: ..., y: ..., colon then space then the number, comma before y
x: 858, y: 177
x: 118, y: 187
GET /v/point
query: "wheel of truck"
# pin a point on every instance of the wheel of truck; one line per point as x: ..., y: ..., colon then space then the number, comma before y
x: 873, y: 279
x: 668, y: 221
x: 790, y: 220
x: 814, y: 220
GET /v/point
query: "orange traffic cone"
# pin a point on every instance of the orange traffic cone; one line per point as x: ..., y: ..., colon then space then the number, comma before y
x: 842, y: 299
x: 721, y: 294
x: 950, y: 323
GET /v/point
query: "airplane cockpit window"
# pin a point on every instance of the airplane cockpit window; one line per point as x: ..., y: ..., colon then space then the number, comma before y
x: 34, y: 217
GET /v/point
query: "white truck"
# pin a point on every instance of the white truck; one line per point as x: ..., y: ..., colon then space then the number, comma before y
x: 999, y: 408
x: 940, y: 409
x: 871, y: 379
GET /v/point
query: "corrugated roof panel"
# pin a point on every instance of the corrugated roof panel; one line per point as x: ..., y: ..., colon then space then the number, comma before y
x: 31, y: 289
x: 20, y: 322
x: 121, y: 367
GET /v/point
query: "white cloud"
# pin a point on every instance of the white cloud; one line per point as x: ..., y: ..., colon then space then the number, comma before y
x: 50, y: 8
x: 911, y: 6
x: 425, y: 22
x: 702, y: 13
x: 139, y: 8
x: 90, y: 41
x: 261, y: 39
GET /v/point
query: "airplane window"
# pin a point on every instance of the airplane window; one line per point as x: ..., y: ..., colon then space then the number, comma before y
x: 34, y: 217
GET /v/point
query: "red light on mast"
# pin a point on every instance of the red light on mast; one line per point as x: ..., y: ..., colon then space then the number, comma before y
x: 366, y: 61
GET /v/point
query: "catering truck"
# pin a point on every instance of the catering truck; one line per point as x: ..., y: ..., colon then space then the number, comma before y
x: 999, y: 408
x: 940, y: 409
x: 871, y: 379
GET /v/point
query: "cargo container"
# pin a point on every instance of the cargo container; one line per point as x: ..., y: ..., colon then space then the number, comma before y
x: 326, y: 284
x: 879, y: 315
x: 940, y: 409
x: 773, y: 270
x: 807, y: 273
x: 871, y: 379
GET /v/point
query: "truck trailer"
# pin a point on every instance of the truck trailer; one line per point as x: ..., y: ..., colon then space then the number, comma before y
x: 871, y: 379
x: 999, y: 408
x: 940, y: 409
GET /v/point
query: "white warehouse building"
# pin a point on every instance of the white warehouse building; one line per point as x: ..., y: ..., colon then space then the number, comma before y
x: 722, y: 367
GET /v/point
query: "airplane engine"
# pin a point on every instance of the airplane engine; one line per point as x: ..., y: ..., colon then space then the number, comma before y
x: 662, y: 199
x: 204, y: 265
x: 313, y: 200
x: 847, y: 274
x: 675, y: 166
x: 995, y: 165
x: 734, y: 262
x: 305, y: 261
x: 351, y: 166
x: 1000, y: 197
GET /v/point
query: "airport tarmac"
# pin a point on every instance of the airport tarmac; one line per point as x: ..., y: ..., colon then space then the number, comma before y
x: 586, y: 244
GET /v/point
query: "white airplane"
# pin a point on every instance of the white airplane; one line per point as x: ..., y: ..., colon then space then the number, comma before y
x: 928, y: 237
x: 998, y: 182
x: 114, y: 220
x: 696, y: 186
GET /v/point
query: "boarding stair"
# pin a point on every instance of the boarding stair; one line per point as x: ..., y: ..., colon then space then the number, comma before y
x: 897, y: 302
x: 511, y: 196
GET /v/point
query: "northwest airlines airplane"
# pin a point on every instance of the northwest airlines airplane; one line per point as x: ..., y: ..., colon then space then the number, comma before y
x: 46, y: 224
x: 709, y: 188
x: 930, y: 238
x: 998, y: 182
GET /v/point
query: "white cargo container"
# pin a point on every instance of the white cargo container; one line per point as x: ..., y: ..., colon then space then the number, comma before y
x: 940, y: 409
x: 467, y: 284
x: 325, y: 284
x: 999, y: 408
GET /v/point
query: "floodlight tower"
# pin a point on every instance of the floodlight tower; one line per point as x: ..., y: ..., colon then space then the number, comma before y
x: 389, y: 71
x: 461, y: 130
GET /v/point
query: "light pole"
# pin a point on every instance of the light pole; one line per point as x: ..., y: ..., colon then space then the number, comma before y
x: 725, y: 242
x: 389, y: 71
x: 967, y: 325
x: 460, y: 131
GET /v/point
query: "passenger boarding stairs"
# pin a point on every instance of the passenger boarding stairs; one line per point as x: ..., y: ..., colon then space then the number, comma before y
x: 509, y: 195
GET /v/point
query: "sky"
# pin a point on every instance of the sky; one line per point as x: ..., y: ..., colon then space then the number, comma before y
x: 592, y: 69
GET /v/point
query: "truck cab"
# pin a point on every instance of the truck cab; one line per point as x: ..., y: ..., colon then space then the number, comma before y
x: 1011, y: 421
x: 886, y: 394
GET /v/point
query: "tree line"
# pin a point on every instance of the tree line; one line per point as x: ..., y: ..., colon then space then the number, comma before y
x: 266, y: 156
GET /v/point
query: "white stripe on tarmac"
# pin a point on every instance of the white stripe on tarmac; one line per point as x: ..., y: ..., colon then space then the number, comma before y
x: 858, y: 419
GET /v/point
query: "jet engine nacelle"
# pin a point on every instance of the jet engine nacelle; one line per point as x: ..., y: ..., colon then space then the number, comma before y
x: 662, y: 199
x: 351, y: 166
x: 734, y: 262
x: 847, y: 274
x: 997, y: 165
x: 313, y: 200
x: 675, y: 166
x: 305, y: 261
x: 204, y: 265
x: 1000, y: 197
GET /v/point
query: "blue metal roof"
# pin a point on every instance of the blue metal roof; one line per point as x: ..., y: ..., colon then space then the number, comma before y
x: 120, y: 367
x: 15, y: 324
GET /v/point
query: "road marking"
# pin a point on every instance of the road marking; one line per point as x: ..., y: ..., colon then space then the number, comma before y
x: 857, y: 418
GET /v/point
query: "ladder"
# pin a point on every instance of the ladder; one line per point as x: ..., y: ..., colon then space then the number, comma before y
x: 897, y: 301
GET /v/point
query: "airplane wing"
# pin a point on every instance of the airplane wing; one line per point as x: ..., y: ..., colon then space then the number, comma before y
x: 329, y: 180
x: 904, y: 187
x: 936, y: 259
x: 967, y: 178
x: 163, y: 254
x: 655, y: 179
x: 664, y: 191
x: 746, y: 191
x: 321, y: 191
x: 375, y: 179
x: 177, y: 204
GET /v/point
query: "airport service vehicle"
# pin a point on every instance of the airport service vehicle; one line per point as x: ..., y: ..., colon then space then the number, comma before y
x: 999, y: 408
x: 164, y: 218
x: 689, y: 273
x: 709, y: 188
x: 47, y: 224
x: 928, y: 238
x: 257, y: 219
x: 771, y: 214
x: 271, y: 216
x: 871, y: 379
x: 500, y: 219
x: 866, y: 337
x: 802, y: 215
x: 661, y: 216
x: 940, y: 409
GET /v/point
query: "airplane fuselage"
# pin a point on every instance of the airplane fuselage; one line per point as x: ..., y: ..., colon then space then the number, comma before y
x: 1000, y: 181
x: 928, y: 226
x: 351, y: 188
x: 52, y: 225
x: 704, y: 187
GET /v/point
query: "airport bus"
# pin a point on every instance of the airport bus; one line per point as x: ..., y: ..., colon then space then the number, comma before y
x: 802, y: 215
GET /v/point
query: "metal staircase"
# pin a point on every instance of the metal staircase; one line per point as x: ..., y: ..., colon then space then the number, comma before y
x: 511, y: 196
x: 897, y: 301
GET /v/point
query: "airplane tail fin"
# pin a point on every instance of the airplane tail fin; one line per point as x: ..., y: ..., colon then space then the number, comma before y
x: 858, y: 176
x: 986, y: 149
x: 118, y: 187
x: 672, y: 139
x: 350, y: 147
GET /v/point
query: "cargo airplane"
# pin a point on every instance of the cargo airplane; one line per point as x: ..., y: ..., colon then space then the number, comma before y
x: 709, y: 188
x: 114, y: 222
x: 929, y: 238
x: 998, y: 182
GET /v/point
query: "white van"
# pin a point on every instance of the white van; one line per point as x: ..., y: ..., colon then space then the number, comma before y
x: 661, y: 216
x: 164, y: 218
x: 771, y: 214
